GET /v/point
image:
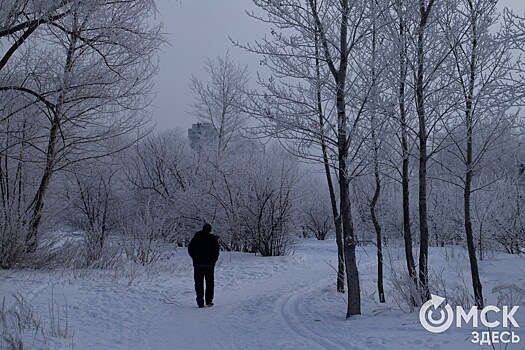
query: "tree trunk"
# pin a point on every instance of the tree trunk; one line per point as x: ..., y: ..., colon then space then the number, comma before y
x: 339, y: 75
x: 420, y: 104
x: 423, y: 224
x: 352, y: 274
x: 31, y: 240
x: 476, y: 282
x: 377, y: 226
x: 32, y: 236
x: 326, y: 163
x: 407, y: 234
x: 337, y: 224
x: 377, y: 191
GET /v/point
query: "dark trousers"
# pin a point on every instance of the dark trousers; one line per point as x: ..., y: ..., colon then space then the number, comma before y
x: 200, y: 273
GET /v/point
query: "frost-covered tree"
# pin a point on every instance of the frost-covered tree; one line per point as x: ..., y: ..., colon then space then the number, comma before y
x: 218, y: 101
x: 84, y: 79
x: 314, y: 55
x: 250, y: 196
x: 483, y: 62
x: 20, y: 19
x: 316, y: 220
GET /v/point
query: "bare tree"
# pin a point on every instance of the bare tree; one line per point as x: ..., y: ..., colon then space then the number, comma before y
x: 420, y: 90
x: 483, y: 65
x: 20, y: 19
x: 16, y: 181
x: 317, y: 218
x: 98, y: 93
x: 291, y: 110
x: 268, y: 209
x: 428, y: 59
x: 399, y: 33
x: 219, y: 101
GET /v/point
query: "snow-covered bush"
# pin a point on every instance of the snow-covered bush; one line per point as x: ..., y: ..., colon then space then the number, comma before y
x: 144, y: 234
x: 269, y: 203
x: 508, y: 216
x: 404, y: 291
x: 249, y: 195
x: 317, y: 218
x: 92, y: 204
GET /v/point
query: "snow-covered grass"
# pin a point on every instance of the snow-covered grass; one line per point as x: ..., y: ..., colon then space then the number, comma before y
x: 261, y: 303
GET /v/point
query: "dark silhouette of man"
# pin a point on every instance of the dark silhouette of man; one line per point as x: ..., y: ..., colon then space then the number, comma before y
x: 204, y: 250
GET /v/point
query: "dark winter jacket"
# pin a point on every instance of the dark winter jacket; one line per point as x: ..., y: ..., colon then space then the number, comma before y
x: 204, y: 249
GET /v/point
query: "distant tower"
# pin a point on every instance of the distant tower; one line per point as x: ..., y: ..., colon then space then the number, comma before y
x: 200, y: 134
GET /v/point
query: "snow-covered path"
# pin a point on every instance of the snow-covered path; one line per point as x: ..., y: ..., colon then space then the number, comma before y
x: 260, y: 303
x: 259, y: 312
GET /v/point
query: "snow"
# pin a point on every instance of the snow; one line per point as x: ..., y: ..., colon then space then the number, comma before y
x: 260, y: 303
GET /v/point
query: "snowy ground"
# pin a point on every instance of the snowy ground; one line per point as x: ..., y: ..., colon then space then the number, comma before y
x: 261, y: 303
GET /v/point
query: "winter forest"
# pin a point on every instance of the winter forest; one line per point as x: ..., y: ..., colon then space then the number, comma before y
x: 372, y: 160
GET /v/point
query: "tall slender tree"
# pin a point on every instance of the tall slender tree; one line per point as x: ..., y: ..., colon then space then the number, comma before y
x: 329, y: 35
x: 483, y: 65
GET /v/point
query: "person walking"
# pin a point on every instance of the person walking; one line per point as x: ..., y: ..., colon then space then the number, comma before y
x: 204, y: 251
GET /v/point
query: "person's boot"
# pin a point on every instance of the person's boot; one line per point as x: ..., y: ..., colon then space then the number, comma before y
x: 200, y: 303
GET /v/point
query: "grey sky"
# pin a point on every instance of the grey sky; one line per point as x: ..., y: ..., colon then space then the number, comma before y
x: 199, y: 29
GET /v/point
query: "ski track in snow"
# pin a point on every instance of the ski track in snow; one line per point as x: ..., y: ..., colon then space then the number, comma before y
x: 289, y: 309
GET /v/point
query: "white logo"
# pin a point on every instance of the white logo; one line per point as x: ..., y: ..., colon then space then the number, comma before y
x: 473, y: 317
x: 427, y: 311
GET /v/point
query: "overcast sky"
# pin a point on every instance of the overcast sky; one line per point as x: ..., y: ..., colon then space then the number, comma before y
x: 198, y: 29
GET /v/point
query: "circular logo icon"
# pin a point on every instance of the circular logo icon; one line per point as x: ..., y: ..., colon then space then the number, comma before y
x: 442, y: 322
